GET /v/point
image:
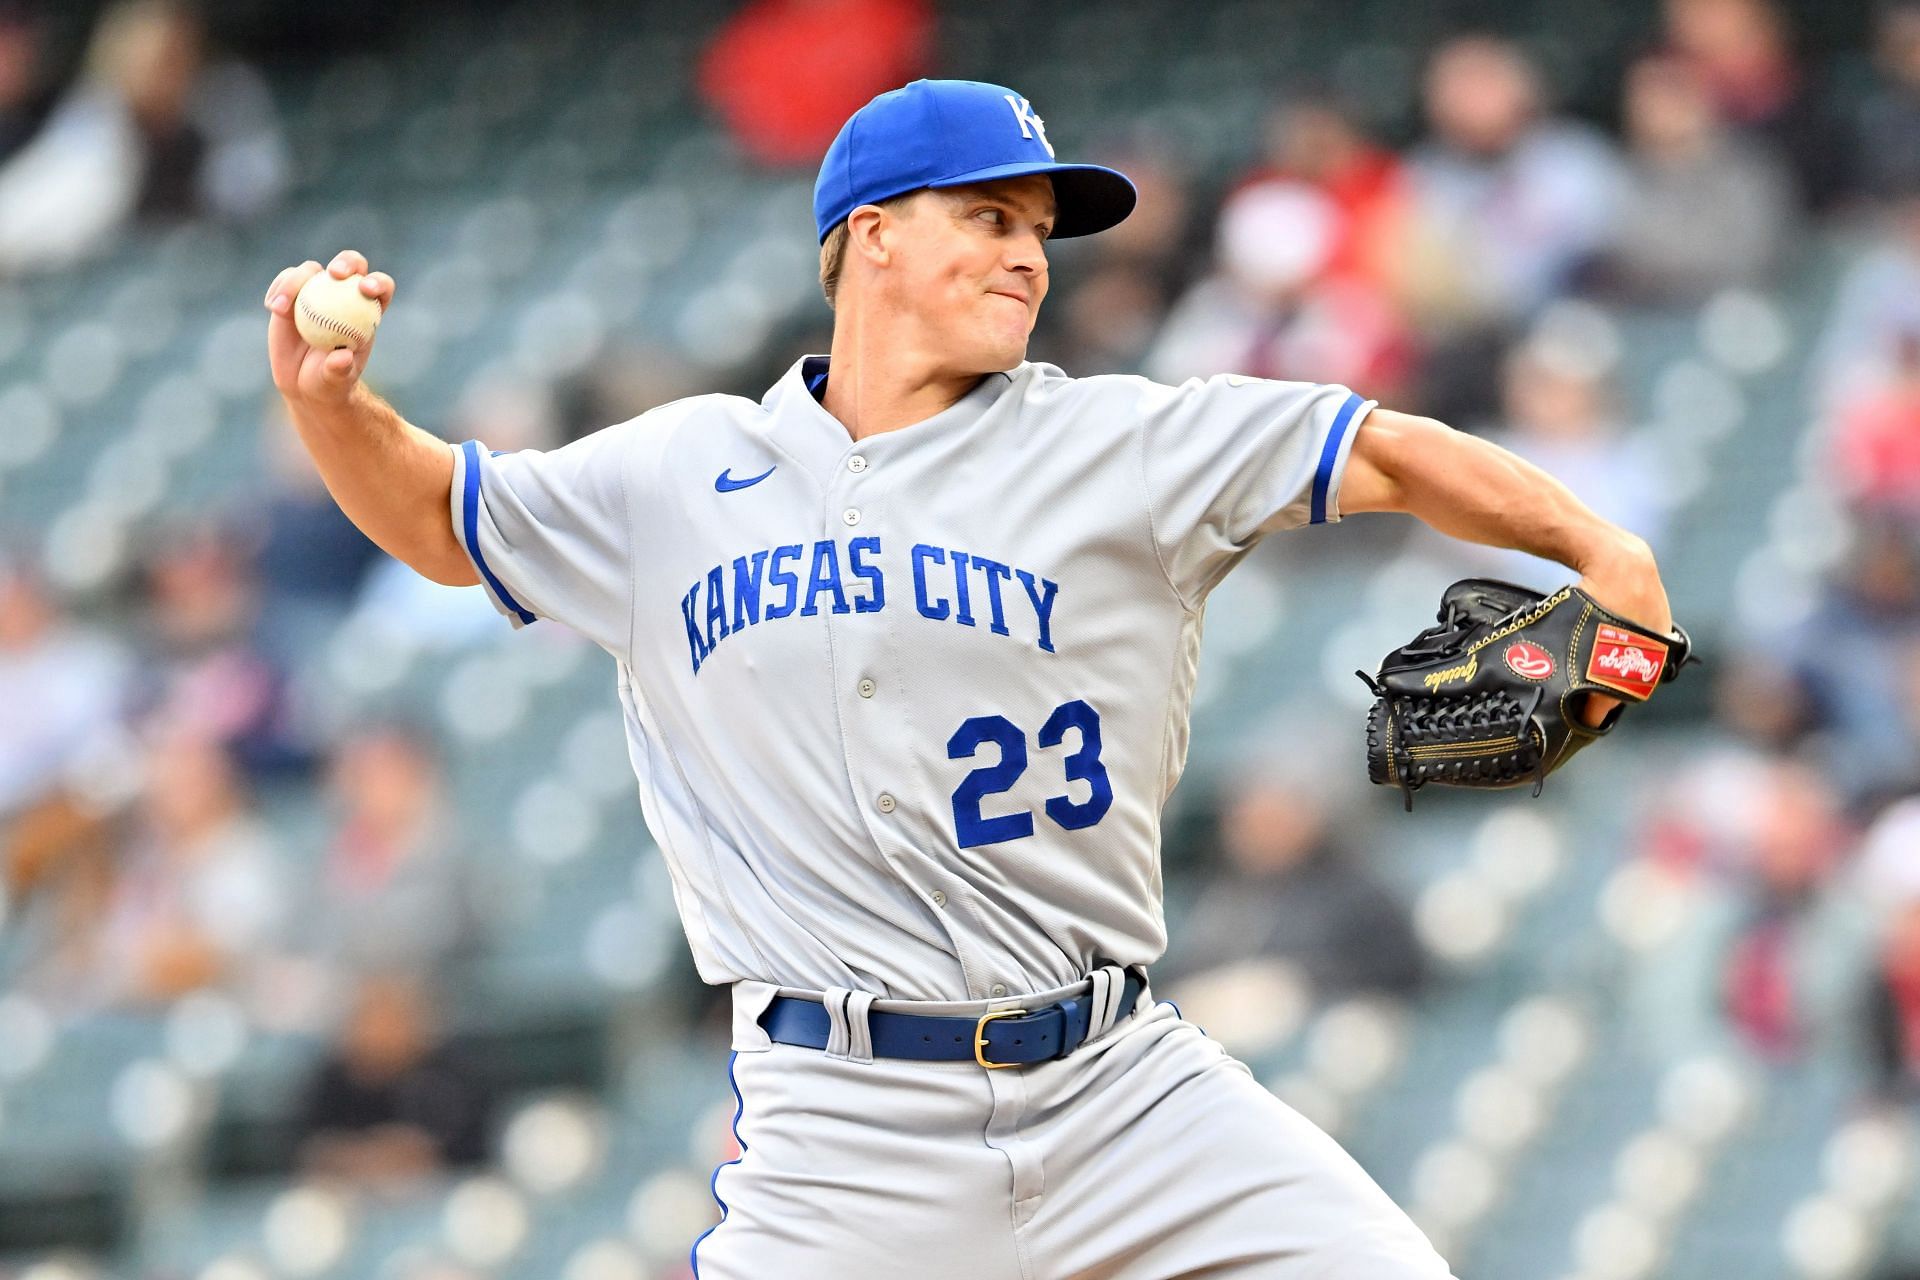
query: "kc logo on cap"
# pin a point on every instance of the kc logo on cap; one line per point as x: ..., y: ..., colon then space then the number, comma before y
x: 948, y: 133
x: 1024, y: 114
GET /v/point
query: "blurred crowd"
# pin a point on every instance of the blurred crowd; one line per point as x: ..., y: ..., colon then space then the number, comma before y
x: 152, y: 776
x: 154, y: 127
x: 142, y: 861
x: 1454, y: 273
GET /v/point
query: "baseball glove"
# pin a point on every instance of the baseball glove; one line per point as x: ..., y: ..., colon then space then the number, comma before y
x: 1489, y: 696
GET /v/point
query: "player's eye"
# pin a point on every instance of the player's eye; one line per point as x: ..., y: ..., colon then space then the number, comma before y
x: 999, y: 217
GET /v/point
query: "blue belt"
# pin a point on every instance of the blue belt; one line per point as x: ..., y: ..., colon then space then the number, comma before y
x: 997, y: 1038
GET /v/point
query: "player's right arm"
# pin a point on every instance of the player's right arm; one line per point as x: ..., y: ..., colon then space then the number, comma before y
x: 390, y: 478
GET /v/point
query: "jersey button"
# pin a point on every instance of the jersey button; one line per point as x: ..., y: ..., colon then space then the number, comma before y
x: 885, y: 803
x: 851, y: 515
x: 856, y: 464
x: 997, y: 990
x: 939, y: 898
x: 866, y: 688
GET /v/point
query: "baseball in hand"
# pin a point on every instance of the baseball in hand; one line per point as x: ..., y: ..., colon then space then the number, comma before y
x: 332, y: 313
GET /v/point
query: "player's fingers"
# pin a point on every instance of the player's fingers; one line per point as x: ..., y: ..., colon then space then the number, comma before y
x: 338, y: 365
x: 286, y: 349
x: 378, y: 285
x: 281, y: 292
x: 1594, y: 709
x: 348, y: 262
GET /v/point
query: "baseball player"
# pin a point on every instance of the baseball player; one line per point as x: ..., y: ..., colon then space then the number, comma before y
x: 906, y: 650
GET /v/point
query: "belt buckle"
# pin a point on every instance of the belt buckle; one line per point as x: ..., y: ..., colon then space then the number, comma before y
x: 980, y: 1037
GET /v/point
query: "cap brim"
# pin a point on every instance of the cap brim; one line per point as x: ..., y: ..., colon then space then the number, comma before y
x: 1089, y: 197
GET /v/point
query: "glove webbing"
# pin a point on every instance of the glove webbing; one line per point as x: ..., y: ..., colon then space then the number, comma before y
x: 1422, y: 741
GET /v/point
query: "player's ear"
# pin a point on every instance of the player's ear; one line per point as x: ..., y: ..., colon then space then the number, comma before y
x: 869, y: 233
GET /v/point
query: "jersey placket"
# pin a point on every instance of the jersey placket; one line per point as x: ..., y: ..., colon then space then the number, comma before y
x: 869, y: 689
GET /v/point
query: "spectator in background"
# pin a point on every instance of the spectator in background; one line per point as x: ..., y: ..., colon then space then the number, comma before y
x: 1314, y: 138
x: 64, y: 690
x: 1875, y: 312
x: 1272, y: 310
x: 199, y: 898
x: 1852, y: 650
x: 1290, y: 887
x: 394, y: 1101
x: 1704, y: 209
x: 1887, y: 126
x: 394, y: 891
x: 1889, y: 878
x: 1769, y: 943
x: 1876, y: 441
x: 1763, y: 714
x: 1560, y: 412
x: 207, y: 671
x: 1893, y: 1007
x: 1782, y: 967
x: 25, y: 96
x: 65, y: 693
x: 1509, y: 206
x: 1742, y: 52
x: 152, y: 132
x: 786, y: 74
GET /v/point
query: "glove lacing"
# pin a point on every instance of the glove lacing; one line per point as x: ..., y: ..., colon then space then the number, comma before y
x: 1441, y: 637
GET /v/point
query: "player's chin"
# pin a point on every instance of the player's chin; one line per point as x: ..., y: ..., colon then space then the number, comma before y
x: 1002, y: 356
x: 1001, y: 346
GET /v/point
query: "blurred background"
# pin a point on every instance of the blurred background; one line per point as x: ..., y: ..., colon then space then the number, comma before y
x: 331, y: 942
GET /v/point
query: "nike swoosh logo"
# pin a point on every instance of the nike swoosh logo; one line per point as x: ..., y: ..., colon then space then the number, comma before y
x: 725, y: 483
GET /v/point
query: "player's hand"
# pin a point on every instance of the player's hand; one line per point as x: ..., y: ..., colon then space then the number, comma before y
x: 1628, y: 584
x: 307, y: 373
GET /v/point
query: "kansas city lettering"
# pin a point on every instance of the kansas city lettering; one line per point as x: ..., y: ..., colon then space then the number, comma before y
x: 807, y: 579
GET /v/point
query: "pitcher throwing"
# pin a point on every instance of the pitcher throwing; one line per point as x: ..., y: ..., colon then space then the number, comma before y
x: 906, y: 650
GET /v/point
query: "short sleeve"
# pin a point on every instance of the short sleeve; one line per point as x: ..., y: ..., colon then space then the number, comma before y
x: 548, y: 532
x: 1230, y: 459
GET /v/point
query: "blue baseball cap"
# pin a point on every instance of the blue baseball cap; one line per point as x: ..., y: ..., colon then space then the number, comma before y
x: 946, y: 133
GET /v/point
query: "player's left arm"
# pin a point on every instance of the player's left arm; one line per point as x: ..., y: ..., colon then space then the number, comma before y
x: 1470, y: 488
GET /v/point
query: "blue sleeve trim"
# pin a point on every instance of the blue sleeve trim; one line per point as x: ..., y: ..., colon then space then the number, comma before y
x: 739, y: 1110
x: 1323, y: 474
x: 470, y: 514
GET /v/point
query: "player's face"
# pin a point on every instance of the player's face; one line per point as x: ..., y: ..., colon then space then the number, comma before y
x: 976, y: 264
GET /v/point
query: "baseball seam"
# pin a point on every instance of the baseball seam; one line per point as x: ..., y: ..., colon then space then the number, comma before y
x: 334, y: 326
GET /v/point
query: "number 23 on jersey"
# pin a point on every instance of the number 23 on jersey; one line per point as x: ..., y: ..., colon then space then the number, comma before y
x: 972, y: 826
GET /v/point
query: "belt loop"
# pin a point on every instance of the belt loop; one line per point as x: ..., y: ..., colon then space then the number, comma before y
x: 1103, y: 1002
x: 750, y: 1003
x: 848, y: 1035
x: 859, y: 1030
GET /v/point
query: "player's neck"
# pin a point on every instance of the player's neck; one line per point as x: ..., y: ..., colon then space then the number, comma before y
x: 872, y: 389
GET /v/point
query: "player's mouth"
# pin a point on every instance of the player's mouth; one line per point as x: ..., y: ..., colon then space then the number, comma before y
x: 1002, y: 293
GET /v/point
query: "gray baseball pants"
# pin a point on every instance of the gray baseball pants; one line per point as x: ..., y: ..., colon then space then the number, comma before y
x: 1149, y: 1154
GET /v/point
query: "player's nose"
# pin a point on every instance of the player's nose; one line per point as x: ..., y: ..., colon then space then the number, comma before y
x: 1026, y: 254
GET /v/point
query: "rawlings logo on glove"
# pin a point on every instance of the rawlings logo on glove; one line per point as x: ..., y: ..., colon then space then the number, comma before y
x: 1529, y: 661
x: 1442, y: 715
x: 1621, y: 662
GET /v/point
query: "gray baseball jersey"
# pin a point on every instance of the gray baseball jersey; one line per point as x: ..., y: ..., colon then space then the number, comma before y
x: 905, y: 710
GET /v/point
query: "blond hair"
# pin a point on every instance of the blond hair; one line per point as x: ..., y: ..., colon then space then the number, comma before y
x: 833, y: 250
